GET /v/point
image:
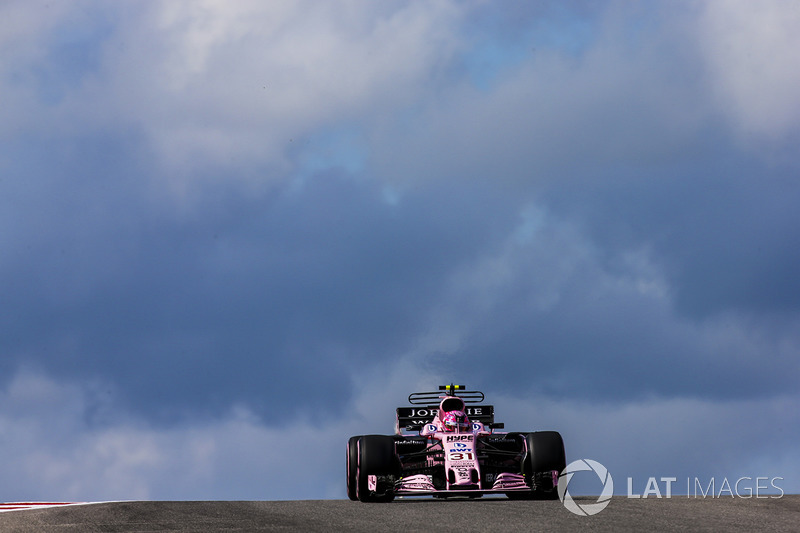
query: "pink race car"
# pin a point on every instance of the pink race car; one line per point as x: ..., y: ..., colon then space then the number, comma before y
x: 446, y: 445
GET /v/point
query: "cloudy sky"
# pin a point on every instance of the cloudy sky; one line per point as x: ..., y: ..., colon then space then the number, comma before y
x: 233, y: 234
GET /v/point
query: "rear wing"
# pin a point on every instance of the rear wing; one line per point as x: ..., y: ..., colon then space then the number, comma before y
x: 426, y: 407
x: 419, y: 416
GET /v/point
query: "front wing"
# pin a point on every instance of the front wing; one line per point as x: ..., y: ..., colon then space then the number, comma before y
x: 422, y: 484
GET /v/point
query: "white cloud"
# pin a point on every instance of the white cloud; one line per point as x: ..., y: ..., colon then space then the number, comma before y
x: 753, y: 54
x: 554, y: 117
x: 52, y: 451
x: 26, y: 31
x: 221, y: 83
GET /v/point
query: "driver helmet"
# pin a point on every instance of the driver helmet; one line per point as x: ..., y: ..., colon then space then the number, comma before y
x: 455, y: 422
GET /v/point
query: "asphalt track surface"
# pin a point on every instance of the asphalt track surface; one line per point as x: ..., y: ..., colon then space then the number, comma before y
x: 488, y: 514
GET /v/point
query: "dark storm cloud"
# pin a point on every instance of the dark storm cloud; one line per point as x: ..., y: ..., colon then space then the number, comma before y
x: 722, y: 224
x: 579, y: 321
x: 244, y: 299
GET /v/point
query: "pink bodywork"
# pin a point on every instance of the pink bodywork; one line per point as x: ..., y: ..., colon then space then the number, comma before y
x: 461, y: 465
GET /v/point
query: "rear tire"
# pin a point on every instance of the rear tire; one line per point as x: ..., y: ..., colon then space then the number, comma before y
x: 352, y: 468
x: 376, y: 456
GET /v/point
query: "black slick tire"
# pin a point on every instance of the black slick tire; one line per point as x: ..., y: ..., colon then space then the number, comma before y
x: 545, y: 455
x: 376, y: 456
x: 352, y: 468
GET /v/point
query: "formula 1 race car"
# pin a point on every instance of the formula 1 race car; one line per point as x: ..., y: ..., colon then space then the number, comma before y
x: 446, y: 445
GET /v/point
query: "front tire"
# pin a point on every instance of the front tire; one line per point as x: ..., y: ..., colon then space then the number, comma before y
x: 376, y: 456
x: 545, y: 455
x: 352, y: 468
